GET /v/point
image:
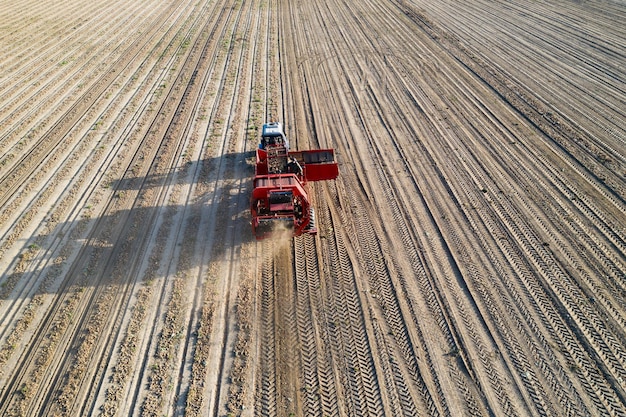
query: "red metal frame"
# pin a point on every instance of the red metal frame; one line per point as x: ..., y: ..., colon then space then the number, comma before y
x: 290, y: 180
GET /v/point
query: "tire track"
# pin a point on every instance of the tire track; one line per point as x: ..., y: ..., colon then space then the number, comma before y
x: 321, y: 398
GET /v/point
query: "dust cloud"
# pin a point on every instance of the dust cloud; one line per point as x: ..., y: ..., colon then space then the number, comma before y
x: 280, y: 239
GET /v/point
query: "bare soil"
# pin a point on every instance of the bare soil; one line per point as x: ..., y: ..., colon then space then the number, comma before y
x: 471, y: 257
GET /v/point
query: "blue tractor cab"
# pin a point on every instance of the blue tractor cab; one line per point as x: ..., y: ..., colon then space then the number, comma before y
x: 272, y: 136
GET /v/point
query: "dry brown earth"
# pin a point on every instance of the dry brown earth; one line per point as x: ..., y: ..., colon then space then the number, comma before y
x: 471, y: 259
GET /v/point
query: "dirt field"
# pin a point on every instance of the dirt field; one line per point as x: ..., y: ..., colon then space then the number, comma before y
x: 471, y: 258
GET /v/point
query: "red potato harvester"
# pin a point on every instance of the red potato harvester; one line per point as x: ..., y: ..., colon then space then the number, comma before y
x: 280, y: 198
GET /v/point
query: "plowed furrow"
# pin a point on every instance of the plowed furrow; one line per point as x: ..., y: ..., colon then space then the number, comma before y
x: 161, y: 156
x: 83, y: 186
x: 14, y: 178
x: 54, y: 148
x: 358, y: 216
x: 63, y: 246
x: 164, y: 157
x: 66, y: 70
x: 220, y: 205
